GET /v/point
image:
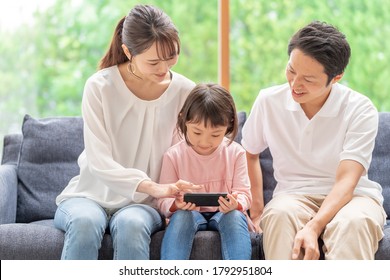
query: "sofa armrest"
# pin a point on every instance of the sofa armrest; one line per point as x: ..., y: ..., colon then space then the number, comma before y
x: 8, y: 191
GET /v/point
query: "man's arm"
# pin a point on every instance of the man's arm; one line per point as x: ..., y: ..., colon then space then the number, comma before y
x: 256, y: 181
x: 347, y: 176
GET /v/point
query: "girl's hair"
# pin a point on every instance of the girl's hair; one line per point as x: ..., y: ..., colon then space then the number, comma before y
x: 143, y: 26
x: 212, y: 104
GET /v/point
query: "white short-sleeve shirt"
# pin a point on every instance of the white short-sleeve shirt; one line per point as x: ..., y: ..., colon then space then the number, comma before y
x: 307, y: 152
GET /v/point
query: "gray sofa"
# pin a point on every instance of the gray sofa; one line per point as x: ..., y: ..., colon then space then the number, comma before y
x: 38, y: 163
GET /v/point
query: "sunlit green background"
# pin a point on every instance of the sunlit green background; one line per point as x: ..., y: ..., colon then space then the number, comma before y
x: 43, y: 66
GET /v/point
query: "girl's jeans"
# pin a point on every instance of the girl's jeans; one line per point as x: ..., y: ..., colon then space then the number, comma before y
x: 85, y: 221
x: 232, y: 227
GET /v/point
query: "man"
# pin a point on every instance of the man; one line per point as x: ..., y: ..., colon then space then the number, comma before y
x: 321, y: 135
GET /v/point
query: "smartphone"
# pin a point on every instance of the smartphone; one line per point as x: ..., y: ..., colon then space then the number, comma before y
x: 204, y: 199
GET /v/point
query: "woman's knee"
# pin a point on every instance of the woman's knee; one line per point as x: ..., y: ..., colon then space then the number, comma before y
x: 136, y: 219
x: 86, y: 220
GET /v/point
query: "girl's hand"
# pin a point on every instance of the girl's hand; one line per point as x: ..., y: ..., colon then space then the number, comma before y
x: 256, y: 224
x: 227, y: 205
x: 181, y: 204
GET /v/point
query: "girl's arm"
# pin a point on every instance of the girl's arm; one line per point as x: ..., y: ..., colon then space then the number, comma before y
x: 256, y: 182
x: 241, y: 184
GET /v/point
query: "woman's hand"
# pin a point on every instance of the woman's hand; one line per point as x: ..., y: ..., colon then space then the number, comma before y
x: 227, y: 205
x: 166, y: 190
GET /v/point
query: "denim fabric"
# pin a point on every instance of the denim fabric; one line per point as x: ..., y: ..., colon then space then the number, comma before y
x: 85, y: 222
x: 180, y: 233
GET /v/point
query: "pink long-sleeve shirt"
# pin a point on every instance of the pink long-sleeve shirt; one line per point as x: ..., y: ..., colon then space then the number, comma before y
x: 225, y: 170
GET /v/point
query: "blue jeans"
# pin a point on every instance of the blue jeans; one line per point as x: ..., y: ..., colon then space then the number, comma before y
x: 85, y: 221
x: 232, y: 227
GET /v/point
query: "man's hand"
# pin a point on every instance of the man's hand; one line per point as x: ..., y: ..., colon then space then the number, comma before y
x: 306, y: 243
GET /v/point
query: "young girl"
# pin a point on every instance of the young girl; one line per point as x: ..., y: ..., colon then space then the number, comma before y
x: 207, y: 158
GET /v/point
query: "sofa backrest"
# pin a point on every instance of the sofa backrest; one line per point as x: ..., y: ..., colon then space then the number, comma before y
x: 379, y: 170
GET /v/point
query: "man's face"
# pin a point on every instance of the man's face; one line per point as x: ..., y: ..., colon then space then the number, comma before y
x: 308, y: 82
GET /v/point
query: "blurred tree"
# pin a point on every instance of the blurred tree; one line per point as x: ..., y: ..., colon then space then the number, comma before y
x: 71, y: 42
x: 260, y: 31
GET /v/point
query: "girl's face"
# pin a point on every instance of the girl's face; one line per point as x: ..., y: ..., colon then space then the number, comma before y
x: 150, y: 67
x: 205, y: 139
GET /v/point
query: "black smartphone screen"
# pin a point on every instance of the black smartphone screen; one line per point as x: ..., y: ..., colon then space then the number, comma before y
x: 204, y: 199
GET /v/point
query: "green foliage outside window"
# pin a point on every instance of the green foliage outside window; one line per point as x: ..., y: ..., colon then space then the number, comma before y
x: 44, y: 66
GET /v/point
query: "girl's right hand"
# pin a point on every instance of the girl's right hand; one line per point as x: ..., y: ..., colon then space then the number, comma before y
x: 182, y: 205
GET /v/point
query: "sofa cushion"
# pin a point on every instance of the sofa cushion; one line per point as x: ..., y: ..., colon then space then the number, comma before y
x: 11, y: 147
x: 47, y: 161
x: 380, y: 165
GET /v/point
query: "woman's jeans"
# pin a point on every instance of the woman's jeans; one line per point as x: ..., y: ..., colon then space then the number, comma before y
x: 85, y: 221
x: 232, y: 227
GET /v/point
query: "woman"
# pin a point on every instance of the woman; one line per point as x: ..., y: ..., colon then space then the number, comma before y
x: 129, y: 110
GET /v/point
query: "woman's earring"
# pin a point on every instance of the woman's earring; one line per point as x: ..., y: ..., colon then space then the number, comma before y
x: 130, y: 68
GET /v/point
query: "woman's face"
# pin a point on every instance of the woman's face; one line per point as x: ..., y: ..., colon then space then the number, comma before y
x: 148, y: 65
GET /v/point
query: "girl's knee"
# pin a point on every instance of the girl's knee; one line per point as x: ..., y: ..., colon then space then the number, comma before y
x: 234, y: 216
x: 181, y: 216
x: 232, y: 219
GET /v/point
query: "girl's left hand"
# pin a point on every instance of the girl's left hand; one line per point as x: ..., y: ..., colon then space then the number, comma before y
x: 227, y: 205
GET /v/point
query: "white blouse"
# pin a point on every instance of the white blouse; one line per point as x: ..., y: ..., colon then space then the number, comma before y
x: 125, y: 138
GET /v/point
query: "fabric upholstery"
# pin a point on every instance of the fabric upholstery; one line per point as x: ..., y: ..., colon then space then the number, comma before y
x: 47, y: 161
x: 8, y: 195
x: 11, y: 147
x: 380, y: 165
x: 241, y: 117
